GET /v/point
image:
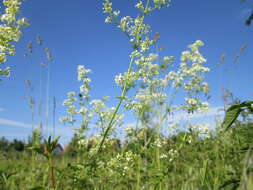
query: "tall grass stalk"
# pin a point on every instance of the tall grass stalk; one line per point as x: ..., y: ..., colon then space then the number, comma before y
x: 47, y: 97
x: 54, y: 112
x: 50, y: 59
x: 40, y: 101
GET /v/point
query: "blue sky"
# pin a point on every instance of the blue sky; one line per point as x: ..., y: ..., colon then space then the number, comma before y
x: 76, y: 34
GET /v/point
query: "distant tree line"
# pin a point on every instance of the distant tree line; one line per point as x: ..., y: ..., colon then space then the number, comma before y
x: 14, y: 145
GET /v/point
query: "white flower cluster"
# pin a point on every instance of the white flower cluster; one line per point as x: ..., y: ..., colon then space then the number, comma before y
x: 191, y: 68
x: 190, y: 78
x: 82, y: 76
x: 134, y: 28
x: 161, y: 3
x: 140, y: 6
x: 148, y: 75
x: 163, y: 156
x: 202, y: 129
x: 173, y: 154
x: 113, y: 15
x: 104, y: 114
x: 130, y: 79
x: 158, y: 4
x: 189, y: 139
x: 82, y: 97
x: 152, y: 76
x: 82, y: 142
x: 129, y: 129
x: 71, y: 109
x: 193, y: 104
x: 159, y: 143
x: 122, y: 164
x: 173, y: 126
x: 80, y: 104
x: 9, y: 31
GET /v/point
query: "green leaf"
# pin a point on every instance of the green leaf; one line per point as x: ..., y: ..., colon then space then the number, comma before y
x: 55, y: 142
x: 234, y: 111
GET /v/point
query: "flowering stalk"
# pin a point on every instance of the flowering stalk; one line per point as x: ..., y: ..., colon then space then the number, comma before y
x: 50, y: 59
x: 123, y: 93
x: 10, y: 31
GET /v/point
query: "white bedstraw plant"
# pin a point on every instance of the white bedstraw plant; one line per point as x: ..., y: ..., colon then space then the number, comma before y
x: 77, y: 103
x: 80, y: 104
x: 139, y: 35
x: 153, y: 77
x: 150, y: 77
x: 122, y: 164
x: 10, y: 31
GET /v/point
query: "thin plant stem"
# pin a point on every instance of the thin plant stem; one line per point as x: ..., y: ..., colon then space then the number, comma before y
x: 124, y: 87
x: 52, y: 174
x: 118, y: 106
x: 138, y: 175
x: 47, y: 97
x: 40, y: 102
x: 54, y: 111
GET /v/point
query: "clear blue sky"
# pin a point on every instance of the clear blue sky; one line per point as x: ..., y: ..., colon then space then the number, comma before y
x: 76, y: 34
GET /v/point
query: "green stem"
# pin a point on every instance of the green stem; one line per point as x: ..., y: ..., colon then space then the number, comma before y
x: 40, y: 102
x: 146, y: 7
x: 138, y: 175
x: 47, y: 97
x: 54, y: 111
x: 118, y: 106
x: 124, y: 87
x: 52, y: 174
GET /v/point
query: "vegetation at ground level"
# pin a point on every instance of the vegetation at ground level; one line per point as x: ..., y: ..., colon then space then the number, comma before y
x: 190, y: 158
x: 185, y: 162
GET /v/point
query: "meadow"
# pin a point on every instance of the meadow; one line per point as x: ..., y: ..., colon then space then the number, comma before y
x: 183, y: 161
x: 154, y: 152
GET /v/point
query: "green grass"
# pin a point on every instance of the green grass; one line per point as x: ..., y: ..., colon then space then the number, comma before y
x: 209, y: 164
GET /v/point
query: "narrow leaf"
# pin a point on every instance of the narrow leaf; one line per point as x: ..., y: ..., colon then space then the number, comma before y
x: 234, y: 111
